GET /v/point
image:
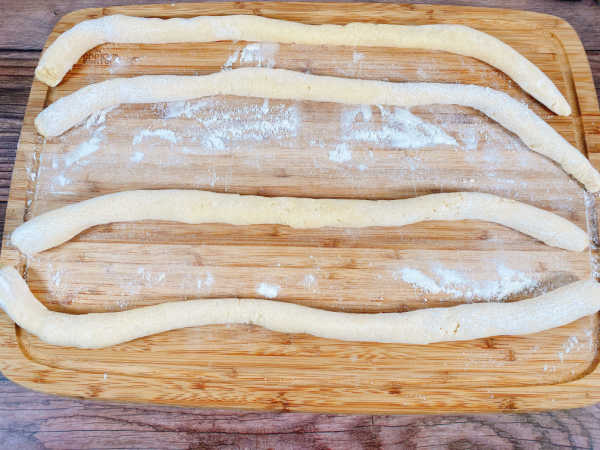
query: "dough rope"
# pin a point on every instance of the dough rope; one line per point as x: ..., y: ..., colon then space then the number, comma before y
x: 286, y: 84
x: 58, y: 59
x: 424, y: 326
x: 193, y: 206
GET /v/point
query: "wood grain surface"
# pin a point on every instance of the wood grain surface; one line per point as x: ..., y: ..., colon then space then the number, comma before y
x: 573, y: 428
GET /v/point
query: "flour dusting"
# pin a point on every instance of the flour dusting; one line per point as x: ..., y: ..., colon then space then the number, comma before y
x: 116, y: 63
x: 459, y: 285
x: 161, y: 133
x: 398, y: 128
x: 309, y: 281
x: 206, y: 282
x: 222, y: 125
x: 84, y: 149
x: 340, y: 154
x: 150, y: 278
x: 268, y: 290
x: 258, y: 54
x: 571, y: 344
x: 62, y: 180
x: 574, y: 344
x: 357, y: 57
x: 137, y: 157
x: 57, y: 278
x: 98, y: 118
x: 232, y: 59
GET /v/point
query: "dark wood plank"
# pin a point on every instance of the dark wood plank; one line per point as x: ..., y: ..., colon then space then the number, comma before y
x: 25, y: 24
x: 33, y: 420
x: 16, y: 75
x: 594, y: 57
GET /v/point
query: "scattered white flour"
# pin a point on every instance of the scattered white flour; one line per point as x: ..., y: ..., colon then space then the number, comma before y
x: 589, y: 333
x: 115, y: 63
x: 261, y: 54
x: 459, y: 285
x: 469, y: 138
x: 213, y: 178
x: 137, y: 157
x: 60, y: 285
x: 98, y: 118
x: 105, y: 376
x: 366, y: 112
x: 31, y: 174
x: 85, y: 148
x: 340, y: 154
x: 206, y: 282
x: 149, y: 278
x: 62, y: 180
x: 309, y: 281
x: 574, y: 344
x: 161, y: 133
x: 423, y: 74
x: 57, y: 278
x: 232, y: 59
x: 182, y: 108
x: 357, y: 57
x: 77, y: 156
x: 222, y: 124
x: 268, y: 290
x: 398, y: 128
x: 567, y: 347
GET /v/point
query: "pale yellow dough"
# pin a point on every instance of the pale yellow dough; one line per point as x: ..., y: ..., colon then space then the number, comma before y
x: 285, y: 84
x: 190, y: 206
x: 58, y: 59
x: 424, y: 326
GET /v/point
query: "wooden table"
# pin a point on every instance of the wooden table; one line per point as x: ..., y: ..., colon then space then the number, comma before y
x: 32, y: 420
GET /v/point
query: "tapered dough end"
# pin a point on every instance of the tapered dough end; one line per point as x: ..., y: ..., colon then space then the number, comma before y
x: 570, y: 238
x: 593, y: 188
x: 20, y: 238
x: 587, y: 175
x: 580, y: 242
x: 562, y: 107
x: 40, y: 125
x: 46, y: 76
x: 9, y: 278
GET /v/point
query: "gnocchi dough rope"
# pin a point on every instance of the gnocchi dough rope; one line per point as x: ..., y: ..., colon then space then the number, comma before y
x: 58, y: 59
x: 424, y: 326
x: 286, y: 84
x: 194, y: 206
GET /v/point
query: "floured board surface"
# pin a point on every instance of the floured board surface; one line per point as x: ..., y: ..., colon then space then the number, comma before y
x: 273, y: 148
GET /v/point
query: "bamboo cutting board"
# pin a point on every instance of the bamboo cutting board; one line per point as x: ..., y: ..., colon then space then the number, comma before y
x: 252, y: 146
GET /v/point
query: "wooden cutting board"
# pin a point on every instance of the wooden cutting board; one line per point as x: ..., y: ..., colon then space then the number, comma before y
x: 252, y: 146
